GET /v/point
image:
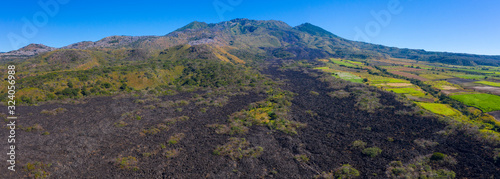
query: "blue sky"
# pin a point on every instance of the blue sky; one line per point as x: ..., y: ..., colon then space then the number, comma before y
x: 445, y: 25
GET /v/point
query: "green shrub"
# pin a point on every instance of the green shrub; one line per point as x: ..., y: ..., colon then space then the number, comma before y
x: 399, y: 171
x: 181, y: 103
x: 418, y: 168
x: 36, y: 127
x: 425, y: 143
x: 146, y: 154
x: 437, y: 156
x: 314, y: 93
x: 151, y: 131
x: 220, y: 128
x: 175, y: 138
x: 106, y: 85
x: 301, y: 158
x: 312, y: 113
x: 171, y: 153
x: 372, y: 151
x: 496, y: 154
x: 127, y: 162
x: 237, y: 148
x: 358, y: 144
x: 346, y: 171
x: 139, y: 101
x: 442, y: 173
x: 120, y: 124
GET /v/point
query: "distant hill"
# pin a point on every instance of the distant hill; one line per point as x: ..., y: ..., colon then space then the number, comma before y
x: 27, y: 51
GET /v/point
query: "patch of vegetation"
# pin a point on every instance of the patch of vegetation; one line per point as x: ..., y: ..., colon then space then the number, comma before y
x: 367, y: 100
x: 36, y: 127
x: 237, y: 148
x: 37, y: 170
x: 164, y: 126
x: 425, y: 143
x: 272, y: 112
x: 171, y: 121
x: 120, y: 124
x: 311, y: 113
x: 390, y: 139
x: 358, y: 144
x: 127, y: 163
x: 436, y: 156
x: 496, y: 154
x: 54, y: 112
x: 158, y: 76
x: 151, y: 131
x: 314, y: 93
x: 175, y: 138
x: 172, y: 153
x: 372, y: 151
x: 344, y: 172
x: 132, y: 115
x: 339, y: 94
x: 149, y: 107
x: 301, y: 158
x: 418, y: 168
x: 220, y: 128
x: 146, y: 154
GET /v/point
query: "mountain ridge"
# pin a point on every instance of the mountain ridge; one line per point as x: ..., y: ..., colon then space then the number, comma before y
x: 264, y: 37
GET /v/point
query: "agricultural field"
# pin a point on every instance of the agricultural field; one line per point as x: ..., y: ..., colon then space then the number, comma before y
x: 410, y: 91
x: 473, y: 77
x: 485, y: 102
x: 443, y: 85
x: 342, y: 74
x: 458, y: 81
x: 338, y: 69
x: 489, y: 83
x: 434, y: 76
x: 348, y: 76
x: 442, y: 109
x: 347, y: 63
